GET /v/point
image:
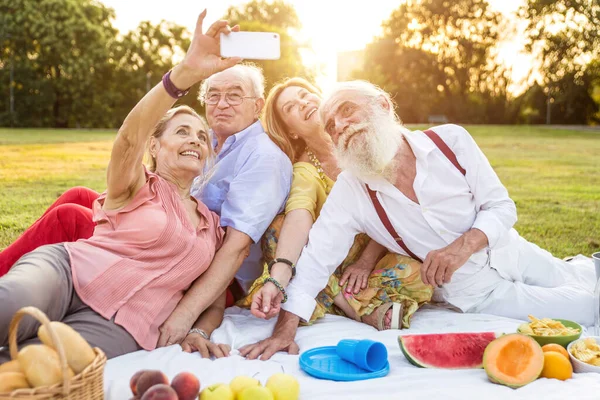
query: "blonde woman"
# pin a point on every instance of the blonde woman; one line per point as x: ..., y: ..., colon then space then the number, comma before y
x: 152, y: 239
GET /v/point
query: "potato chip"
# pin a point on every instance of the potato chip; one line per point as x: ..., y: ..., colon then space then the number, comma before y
x: 547, y: 327
x: 587, y: 351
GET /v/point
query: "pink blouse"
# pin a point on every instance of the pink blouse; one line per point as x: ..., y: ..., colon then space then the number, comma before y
x: 143, y: 257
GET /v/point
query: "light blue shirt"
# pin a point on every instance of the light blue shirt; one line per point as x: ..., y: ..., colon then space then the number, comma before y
x: 249, y: 186
x: 251, y: 182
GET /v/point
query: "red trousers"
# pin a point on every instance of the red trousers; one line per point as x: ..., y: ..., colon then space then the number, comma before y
x: 68, y: 219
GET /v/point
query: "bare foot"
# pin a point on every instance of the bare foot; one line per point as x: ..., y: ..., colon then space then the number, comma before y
x: 371, y: 319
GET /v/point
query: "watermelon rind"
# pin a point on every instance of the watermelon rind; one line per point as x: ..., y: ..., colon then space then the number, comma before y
x: 414, y: 359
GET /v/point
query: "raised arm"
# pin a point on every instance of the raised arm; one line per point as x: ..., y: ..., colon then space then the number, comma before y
x: 125, y: 175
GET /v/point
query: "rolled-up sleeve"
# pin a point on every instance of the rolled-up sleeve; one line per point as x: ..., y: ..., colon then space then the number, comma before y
x: 496, y: 211
x: 329, y: 241
x: 256, y: 194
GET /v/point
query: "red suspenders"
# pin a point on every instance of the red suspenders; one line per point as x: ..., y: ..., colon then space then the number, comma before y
x: 379, y: 208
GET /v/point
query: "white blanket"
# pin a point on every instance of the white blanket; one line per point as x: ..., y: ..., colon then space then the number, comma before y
x: 404, y: 381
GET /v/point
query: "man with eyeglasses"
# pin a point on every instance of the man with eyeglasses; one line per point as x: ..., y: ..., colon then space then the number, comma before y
x: 248, y: 188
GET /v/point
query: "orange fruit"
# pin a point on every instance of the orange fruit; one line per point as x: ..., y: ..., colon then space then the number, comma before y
x: 555, y: 347
x: 556, y: 366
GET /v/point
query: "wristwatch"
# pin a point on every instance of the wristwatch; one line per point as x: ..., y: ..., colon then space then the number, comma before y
x: 199, y: 332
x: 171, y: 89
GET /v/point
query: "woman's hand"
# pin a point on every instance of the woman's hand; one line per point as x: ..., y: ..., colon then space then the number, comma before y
x: 266, y: 303
x: 357, y: 276
x: 203, y: 57
x: 175, y: 328
x: 195, y: 342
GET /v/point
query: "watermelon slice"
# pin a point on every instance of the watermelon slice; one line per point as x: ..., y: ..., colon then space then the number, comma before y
x: 446, y: 350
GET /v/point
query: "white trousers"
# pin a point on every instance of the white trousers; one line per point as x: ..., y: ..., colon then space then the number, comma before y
x: 528, y: 281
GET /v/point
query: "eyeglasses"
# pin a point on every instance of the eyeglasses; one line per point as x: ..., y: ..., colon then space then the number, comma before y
x: 233, y: 99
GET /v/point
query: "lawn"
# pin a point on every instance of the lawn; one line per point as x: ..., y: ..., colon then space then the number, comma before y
x: 553, y: 176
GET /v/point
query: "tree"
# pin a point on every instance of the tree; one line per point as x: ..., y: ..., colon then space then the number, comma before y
x: 275, y: 13
x: 274, y: 16
x: 59, y: 53
x: 141, y: 57
x: 565, y: 36
x: 565, y: 32
x: 436, y: 57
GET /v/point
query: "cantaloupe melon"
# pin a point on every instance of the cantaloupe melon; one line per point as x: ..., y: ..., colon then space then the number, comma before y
x: 513, y: 360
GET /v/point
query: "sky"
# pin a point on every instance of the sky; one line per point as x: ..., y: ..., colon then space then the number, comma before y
x: 330, y: 26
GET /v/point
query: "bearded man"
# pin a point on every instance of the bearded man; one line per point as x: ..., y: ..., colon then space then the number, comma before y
x: 434, y: 196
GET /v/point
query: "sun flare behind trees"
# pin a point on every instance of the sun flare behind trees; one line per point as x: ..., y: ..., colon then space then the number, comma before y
x: 64, y: 64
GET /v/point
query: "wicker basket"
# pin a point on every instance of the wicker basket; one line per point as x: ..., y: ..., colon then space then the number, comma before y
x: 87, y: 385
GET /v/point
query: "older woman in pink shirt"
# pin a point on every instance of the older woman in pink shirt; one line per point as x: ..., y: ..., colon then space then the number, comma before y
x: 152, y: 239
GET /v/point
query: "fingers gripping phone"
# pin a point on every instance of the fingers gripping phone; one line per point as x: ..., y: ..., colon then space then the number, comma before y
x: 251, y: 45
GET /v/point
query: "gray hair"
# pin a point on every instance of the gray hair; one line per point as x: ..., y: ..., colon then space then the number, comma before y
x: 250, y: 72
x: 360, y: 87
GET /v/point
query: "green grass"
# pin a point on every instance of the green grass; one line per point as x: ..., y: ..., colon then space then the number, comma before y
x: 553, y: 176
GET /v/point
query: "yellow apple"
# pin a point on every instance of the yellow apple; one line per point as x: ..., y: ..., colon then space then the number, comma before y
x: 218, y: 391
x: 283, y: 387
x: 239, y: 383
x: 255, y: 393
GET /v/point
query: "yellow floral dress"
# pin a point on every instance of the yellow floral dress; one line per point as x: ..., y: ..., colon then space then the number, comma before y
x: 395, y: 278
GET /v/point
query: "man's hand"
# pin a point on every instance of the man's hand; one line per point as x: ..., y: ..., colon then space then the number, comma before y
x: 266, y: 303
x: 282, y: 339
x: 176, y: 327
x: 195, y: 342
x: 357, y: 276
x: 439, y: 265
x: 265, y: 349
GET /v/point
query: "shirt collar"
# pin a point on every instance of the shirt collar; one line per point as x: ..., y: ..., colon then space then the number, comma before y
x: 253, y: 130
x: 421, y: 146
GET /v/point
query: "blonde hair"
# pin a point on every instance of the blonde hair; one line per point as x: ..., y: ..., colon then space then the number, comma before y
x: 275, y: 126
x: 159, y: 129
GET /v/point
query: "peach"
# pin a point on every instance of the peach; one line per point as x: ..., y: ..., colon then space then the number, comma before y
x: 186, y: 385
x: 133, y: 381
x: 148, y: 379
x: 160, y: 392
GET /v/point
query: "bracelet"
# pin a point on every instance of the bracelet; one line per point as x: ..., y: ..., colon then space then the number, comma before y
x: 199, y: 332
x: 285, y: 261
x: 278, y: 286
x: 171, y: 89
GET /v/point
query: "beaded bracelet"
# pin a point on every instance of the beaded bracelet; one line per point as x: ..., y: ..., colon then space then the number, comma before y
x: 278, y: 286
x: 284, y: 261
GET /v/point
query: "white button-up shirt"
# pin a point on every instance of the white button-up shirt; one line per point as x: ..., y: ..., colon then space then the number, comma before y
x: 449, y: 205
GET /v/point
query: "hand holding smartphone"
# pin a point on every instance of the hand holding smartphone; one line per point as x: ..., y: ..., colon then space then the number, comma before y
x: 251, y: 45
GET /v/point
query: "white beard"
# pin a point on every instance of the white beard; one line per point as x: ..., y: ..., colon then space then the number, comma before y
x: 372, y: 151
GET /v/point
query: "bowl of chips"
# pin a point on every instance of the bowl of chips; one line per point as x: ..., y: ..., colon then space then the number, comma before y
x: 547, y: 330
x: 585, y: 354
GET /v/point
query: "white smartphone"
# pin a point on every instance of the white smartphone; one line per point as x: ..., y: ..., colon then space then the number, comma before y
x: 251, y: 45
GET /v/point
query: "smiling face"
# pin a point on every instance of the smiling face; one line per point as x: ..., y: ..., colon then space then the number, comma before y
x: 183, y: 147
x: 363, y: 129
x: 298, y: 108
x: 231, y: 86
